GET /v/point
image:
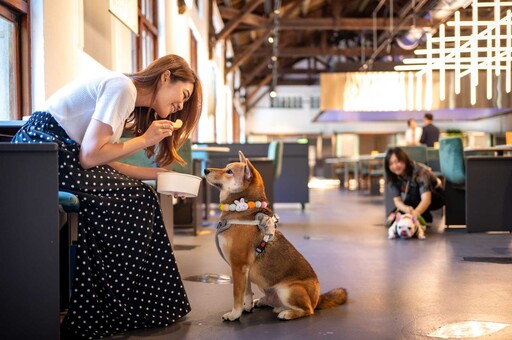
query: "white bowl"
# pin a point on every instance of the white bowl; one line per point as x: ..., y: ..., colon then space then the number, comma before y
x: 176, y: 183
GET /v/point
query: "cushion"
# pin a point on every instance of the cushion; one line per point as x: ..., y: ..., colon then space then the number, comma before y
x: 68, y: 202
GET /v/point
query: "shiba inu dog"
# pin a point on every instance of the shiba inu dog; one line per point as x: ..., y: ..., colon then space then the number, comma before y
x: 258, y: 253
x: 406, y: 226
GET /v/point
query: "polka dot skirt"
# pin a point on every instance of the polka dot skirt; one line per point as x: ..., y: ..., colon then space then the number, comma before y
x: 126, y: 275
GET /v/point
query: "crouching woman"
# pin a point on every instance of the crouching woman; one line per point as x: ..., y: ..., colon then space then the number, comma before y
x: 415, y: 189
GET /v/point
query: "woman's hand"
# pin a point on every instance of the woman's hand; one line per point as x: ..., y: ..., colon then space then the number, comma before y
x: 137, y: 172
x: 157, y: 131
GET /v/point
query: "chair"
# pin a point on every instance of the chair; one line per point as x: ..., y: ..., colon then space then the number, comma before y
x: 69, y: 205
x: 417, y: 153
x: 270, y: 176
x: 433, y: 160
x: 275, y: 153
x: 188, y: 213
x: 451, y: 161
x: 488, y: 193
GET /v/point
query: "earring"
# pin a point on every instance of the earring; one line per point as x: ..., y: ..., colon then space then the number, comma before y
x: 156, y: 115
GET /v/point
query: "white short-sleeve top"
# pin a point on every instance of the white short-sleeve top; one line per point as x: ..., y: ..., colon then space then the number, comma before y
x: 108, y: 98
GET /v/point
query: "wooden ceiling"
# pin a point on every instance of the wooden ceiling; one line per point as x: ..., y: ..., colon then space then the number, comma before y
x: 318, y: 36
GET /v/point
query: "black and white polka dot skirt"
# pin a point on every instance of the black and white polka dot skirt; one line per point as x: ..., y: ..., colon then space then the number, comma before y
x: 126, y: 275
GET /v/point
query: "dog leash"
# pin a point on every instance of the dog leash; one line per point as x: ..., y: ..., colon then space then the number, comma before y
x: 266, y: 224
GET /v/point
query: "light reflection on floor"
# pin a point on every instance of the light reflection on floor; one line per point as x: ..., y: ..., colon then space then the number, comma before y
x: 467, y: 329
x: 323, y: 183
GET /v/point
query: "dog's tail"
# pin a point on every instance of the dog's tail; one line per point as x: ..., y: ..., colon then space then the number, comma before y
x: 332, y: 298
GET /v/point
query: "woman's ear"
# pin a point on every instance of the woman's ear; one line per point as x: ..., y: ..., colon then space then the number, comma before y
x: 166, y: 76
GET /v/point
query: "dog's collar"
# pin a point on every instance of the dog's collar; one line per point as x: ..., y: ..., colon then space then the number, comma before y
x: 241, y: 205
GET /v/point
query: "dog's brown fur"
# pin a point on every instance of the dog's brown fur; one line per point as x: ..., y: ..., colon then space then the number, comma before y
x: 280, y: 271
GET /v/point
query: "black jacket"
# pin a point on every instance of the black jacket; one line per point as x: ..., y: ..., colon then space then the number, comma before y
x: 430, y: 135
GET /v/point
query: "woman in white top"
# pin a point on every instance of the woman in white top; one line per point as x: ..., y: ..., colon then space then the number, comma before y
x: 126, y: 275
x: 413, y: 133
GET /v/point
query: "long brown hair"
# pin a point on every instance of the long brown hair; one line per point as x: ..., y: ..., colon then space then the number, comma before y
x: 141, y: 118
x: 401, y: 156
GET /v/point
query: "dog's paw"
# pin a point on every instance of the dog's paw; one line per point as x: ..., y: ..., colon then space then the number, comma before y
x: 248, y: 304
x: 259, y: 303
x: 421, y: 237
x: 391, y: 237
x: 231, y: 316
x: 278, y: 310
x: 248, y: 308
x: 289, y: 314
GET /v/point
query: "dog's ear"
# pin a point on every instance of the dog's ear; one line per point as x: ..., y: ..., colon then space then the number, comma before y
x: 247, y: 171
x: 398, y: 216
x: 414, y: 219
x: 242, y: 157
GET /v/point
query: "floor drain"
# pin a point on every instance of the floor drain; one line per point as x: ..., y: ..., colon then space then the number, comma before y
x: 210, y: 278
x: 501, y: 260
x: 316, y: 238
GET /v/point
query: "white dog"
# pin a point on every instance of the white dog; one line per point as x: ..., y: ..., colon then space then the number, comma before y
x: 406, y: 226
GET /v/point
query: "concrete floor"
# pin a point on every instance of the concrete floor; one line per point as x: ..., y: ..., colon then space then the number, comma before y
x: 398, y: 289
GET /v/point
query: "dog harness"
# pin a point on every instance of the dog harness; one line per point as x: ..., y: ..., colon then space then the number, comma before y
x: 266, y: 224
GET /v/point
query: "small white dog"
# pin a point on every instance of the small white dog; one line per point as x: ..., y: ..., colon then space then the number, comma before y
x: 406, y: 226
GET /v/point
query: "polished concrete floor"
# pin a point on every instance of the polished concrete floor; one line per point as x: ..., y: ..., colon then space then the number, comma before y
x: 398, y: 289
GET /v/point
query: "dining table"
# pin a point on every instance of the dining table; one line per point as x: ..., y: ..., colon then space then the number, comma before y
x: 496, y: 150
x: 374, y: 161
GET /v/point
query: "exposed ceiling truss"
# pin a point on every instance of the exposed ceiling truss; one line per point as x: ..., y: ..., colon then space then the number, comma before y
x: 318, y: 36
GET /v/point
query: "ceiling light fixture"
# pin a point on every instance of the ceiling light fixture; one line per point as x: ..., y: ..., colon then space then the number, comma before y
x: 275, y: 49
x: 475, y: 45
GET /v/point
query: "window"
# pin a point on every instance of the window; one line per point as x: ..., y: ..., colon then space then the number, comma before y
x: 147, y: 40
x: 14, y: 69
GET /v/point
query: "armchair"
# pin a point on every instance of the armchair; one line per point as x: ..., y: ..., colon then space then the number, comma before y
x: 451, y: 161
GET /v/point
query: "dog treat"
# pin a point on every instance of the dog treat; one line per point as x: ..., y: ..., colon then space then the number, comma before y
x: 177, y: 124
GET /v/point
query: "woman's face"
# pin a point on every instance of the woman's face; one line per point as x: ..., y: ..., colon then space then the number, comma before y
x: 171, y: 96
x: 397, y: 167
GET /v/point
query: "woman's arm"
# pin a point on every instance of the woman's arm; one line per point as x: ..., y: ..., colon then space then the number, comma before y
x: 137, y: 172
x: 400, y: 205
x: 96, y: 148
x: 426, y: 199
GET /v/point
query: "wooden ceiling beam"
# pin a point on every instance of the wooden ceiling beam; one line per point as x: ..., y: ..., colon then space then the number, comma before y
x: 290, y: 70
x: 229, y: 13
x: 262, y: 83
x: 345, y: 24
x: 262, y: 66
x: 247, y: 53
x: 332, y: 24
x: 295, y: 52
x: 232, y: 24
